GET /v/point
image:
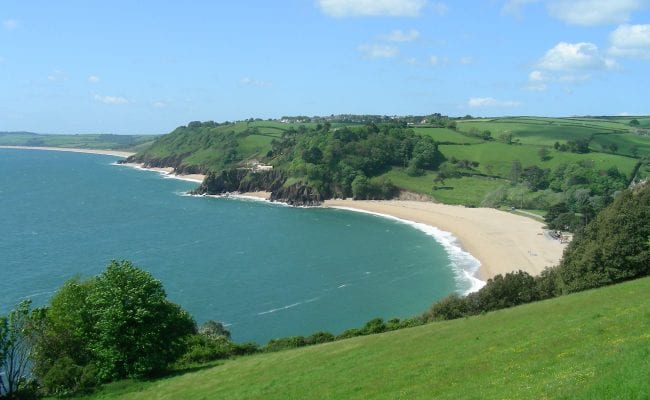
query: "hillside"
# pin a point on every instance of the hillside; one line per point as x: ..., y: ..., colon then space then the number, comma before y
x: 87, y: 141
x: 589, y: 345
x: 572, y: 165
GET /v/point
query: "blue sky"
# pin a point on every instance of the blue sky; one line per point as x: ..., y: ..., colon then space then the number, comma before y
x: 149, y: 66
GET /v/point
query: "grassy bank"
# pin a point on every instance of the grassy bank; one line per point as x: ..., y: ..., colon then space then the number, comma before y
x: 593, y: 344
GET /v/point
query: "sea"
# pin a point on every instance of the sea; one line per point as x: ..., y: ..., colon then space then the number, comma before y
x: 263, y: 269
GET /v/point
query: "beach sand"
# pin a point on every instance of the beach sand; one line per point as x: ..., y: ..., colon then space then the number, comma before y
x: 503, y: 242
x: 116, y: 153
x: 124, y: 154
x: 198, y: 178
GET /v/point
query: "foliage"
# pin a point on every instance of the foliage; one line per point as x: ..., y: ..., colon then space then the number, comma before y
x: 614, y: 247
x: 285, y: 343
x: 16, y: 335
x: 137, y: 331
x: 203, y: 348
x: 502, y: 291
x: 590, y: 345
x: 214, y: 329
x: 116, y: 325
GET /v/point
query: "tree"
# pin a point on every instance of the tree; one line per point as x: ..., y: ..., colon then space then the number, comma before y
x: 613, y: 247
x: 15, y: 350
x: 506, y: 138
x: 515, y: 171
x: 62, y: 357
x: 214, y: 329
x: 360, y: 187
x: 543, y: 154
x: 138, y: 331
x: 486, y: 135
x: 535, y: 177
x: 613, y: 147
x: 634, y: 122
x: 116, y: 325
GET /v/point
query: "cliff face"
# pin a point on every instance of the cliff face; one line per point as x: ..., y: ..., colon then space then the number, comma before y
x: 241, y: 180
x: 175, y: 162
x: 297, y: 195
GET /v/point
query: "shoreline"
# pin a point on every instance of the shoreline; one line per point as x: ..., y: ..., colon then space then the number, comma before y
x: 116, y: 153
x: 502, y: 242
x: 167, y: 172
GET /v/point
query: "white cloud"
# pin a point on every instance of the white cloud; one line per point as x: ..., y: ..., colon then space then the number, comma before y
x: 491, y: 102
x: 537, y: 76
x: 582, y: 12
x: 630, y: 41
x: 160, y: 104
x: 467, y: 60
x: 574, y: 78
x: 10, y: 24
x: 440, y: 8
x: 247, y: 81
x: 575, y: 56
x: 379, y: 51
x: 57, y: 76
x: 360, y: 8
x: 111, y: 99
x: 399, y: 36
x: 93, y: 79
x: 438, y: 61
x: 537, y: 81
x: 594, y: 12
x: 514, y: 7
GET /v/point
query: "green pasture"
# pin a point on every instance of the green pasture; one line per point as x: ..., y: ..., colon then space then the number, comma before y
x: 590, y: 345
x: 444, y: 135
x: 98, y: 141
x: 496, y: 158
x: 466, y: 190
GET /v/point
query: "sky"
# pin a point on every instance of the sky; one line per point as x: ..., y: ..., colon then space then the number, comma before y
x: 146, y: 67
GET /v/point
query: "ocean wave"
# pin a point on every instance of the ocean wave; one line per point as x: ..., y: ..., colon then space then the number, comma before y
x: 240, y: 197
x: 280, y: 308
x: 163, y: 174
x: 464, y: 265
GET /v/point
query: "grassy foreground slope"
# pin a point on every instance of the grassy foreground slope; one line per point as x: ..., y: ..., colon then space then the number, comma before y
x: 590, y: 345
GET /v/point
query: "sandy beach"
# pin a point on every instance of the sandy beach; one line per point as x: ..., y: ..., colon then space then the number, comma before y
x: 116, y: 153
x: 124, y: 154
x: 198, y: 178
x: 503, y: 242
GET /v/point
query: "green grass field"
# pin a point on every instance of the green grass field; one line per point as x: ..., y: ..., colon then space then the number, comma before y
x: 590, y: 345
x: 444, y: 135
x: 497, y: 158
x: 466, y: 190
x: 101, y: 142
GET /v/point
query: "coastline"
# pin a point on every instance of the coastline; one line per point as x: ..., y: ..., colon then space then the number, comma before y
x: 167, y: 172
x: 502, y: 242
x: 115, y: 153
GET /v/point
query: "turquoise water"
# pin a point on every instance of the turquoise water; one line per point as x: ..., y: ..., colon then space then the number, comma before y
x: 266, y: 270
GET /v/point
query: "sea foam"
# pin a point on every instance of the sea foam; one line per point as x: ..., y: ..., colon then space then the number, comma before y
x: 464, y: 265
